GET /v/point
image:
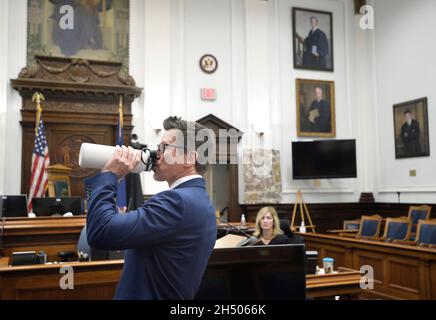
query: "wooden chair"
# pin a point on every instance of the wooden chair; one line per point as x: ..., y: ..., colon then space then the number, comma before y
x: 417, y: 213
x: 426, y: 234
x: 397, y: 229
x: 369, y: 228
x: 351, y: 224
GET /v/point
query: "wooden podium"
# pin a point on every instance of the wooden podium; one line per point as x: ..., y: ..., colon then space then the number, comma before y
x: 299, y: 203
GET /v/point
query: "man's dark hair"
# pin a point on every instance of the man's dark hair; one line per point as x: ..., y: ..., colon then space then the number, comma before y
x: 407, y: 111
x: 182, y: 125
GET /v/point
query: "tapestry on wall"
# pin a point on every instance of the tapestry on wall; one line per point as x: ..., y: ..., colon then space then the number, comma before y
x: 87, y: 29
x: 262, y: 176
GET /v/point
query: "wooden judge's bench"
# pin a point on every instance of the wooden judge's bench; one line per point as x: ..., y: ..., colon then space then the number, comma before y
x: 98, y: 279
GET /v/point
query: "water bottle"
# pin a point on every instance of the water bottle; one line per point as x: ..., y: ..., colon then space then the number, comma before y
x: 243, y: 221
x: 328, y: 264
x: 302, y: 227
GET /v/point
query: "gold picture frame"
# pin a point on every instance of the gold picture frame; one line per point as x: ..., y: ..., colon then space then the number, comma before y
x: 99, y: 31
x: 316, y: 116
x: 411, y: 129
x: 59, y: 184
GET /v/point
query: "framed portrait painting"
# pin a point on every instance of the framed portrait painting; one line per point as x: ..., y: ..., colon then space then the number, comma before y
x: 411, y: 129
x: 87, y: 29
x: 312, y: 39
x: 315, y: 108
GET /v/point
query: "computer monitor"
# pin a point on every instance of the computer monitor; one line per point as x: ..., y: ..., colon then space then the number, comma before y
x: 13, y: 206
x: 57, y: 206
x: 73, y: 205
x: 44, y: 207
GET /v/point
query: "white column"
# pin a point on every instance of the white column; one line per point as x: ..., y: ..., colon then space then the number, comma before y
x: 16, y: 60
x: 364, y: 88
x: 157, y: 71
x: 157, y: 62
x: 137, y: 63
x: 274, y: 136
x: 257, y: 43
x: 176, y: 57
x: 4, y: 24
x: 238, y: 61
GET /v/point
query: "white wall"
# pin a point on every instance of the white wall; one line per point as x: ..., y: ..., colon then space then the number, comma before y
x: 329, y: 190
x: 3, y: 90
x: 255, y: 83
x: 405, y: 69
x: 13, y: 58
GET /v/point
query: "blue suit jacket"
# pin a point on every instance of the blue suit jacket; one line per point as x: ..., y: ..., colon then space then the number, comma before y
x: 168, y: 240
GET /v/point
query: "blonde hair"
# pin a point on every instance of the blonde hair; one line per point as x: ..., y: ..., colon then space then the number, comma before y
x: 276, y: 225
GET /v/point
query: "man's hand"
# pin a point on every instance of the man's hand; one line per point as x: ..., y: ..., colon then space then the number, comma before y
x: 124, y: 160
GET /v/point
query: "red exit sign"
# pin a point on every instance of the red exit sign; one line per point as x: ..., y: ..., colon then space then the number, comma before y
x: 208, y: 94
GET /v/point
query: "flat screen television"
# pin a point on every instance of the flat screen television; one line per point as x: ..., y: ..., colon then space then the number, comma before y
x: 324, y: 159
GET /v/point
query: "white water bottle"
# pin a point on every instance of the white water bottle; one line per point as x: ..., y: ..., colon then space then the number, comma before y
x: 302, y: 227
x: 243, y: 221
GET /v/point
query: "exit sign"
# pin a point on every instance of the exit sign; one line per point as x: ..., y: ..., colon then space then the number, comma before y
x: 208, y: 94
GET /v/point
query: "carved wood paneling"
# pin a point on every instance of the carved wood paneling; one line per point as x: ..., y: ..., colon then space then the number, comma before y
x: 81, y: 105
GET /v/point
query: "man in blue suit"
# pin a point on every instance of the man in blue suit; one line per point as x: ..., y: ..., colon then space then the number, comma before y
x: 168, y: 240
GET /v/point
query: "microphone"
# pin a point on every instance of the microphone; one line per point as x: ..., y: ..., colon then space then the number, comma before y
x: 246, y: 242
x: 233, y: 227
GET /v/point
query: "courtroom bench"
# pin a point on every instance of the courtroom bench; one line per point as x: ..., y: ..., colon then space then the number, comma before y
x: 400, y: 271
x: 98, y: 280
x: 49, y: 234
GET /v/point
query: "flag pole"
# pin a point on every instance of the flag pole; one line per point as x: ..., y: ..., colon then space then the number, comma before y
x: 40, y: 158
x: 121, y: 117
x: 121, y: 201
x: 38, y: 97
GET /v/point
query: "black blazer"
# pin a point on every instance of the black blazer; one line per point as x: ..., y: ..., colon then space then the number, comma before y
x: 284, y: 239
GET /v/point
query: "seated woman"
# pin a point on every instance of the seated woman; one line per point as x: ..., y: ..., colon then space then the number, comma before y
x: 268, y: 228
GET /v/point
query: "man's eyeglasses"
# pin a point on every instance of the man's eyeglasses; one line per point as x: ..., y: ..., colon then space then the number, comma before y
x: 163, y: 146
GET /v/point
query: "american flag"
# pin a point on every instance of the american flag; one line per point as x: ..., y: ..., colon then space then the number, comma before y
x: 40, y: 162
